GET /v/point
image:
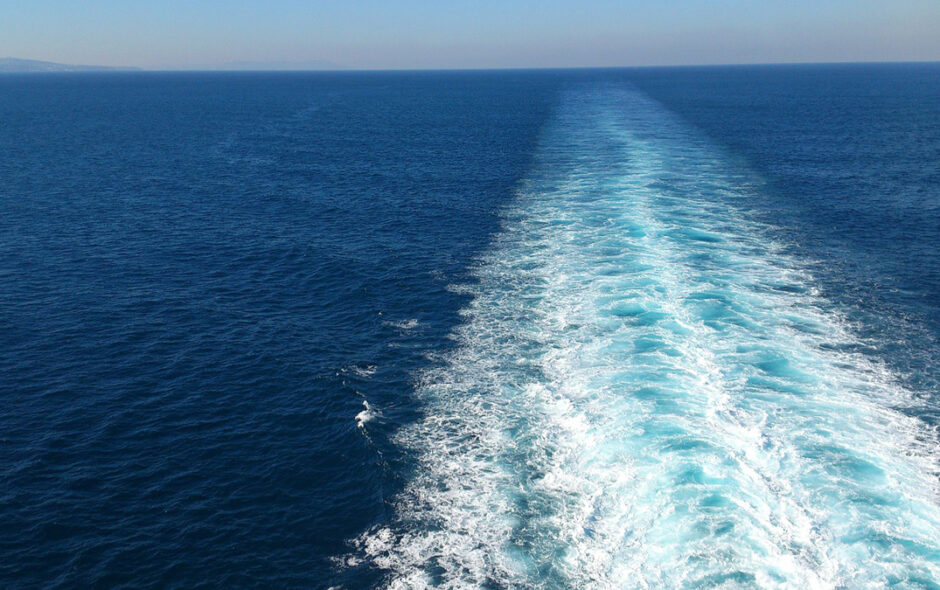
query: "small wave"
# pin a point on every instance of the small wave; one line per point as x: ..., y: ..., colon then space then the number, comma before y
x: 361, y: 370
x: 404, y: 325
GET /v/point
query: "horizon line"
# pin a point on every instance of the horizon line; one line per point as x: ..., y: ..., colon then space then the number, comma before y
x: 139, y: 70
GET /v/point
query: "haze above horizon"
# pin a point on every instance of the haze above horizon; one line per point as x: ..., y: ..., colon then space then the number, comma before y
x: 418, y: 34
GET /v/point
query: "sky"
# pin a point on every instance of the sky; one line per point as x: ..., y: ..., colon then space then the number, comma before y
x: 419, y: 34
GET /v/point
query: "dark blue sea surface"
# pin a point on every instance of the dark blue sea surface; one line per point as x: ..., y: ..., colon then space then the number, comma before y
x: 529, y: 329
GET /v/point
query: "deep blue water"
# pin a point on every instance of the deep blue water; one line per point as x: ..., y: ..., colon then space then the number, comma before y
x: 488, y: 329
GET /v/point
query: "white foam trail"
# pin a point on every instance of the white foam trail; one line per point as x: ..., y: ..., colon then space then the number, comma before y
x: 648, y: 393
x: 403, y: 325
x: 361, y: 370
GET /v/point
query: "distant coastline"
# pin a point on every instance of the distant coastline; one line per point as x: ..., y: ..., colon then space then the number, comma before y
x: 13, y: 65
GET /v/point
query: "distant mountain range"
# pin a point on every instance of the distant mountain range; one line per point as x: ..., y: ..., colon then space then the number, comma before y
x: 16, y: 65
x: 12, y: 64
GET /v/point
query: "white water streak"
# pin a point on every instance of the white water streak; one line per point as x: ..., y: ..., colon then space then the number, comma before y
x: 648, y: 393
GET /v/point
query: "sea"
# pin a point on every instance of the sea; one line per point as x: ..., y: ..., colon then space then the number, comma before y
x: 626, y: 328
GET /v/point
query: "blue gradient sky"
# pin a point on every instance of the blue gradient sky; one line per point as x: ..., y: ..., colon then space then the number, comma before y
x: 173, y: 34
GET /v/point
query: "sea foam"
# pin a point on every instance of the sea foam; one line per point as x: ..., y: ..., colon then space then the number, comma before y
x: 649, y: 392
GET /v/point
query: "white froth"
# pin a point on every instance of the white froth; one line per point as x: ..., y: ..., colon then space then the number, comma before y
x: 366, y: 415
x: 648, y: 392
x: 404, y: 325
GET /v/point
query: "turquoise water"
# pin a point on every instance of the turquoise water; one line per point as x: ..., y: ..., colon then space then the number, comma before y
x: 648, y: 391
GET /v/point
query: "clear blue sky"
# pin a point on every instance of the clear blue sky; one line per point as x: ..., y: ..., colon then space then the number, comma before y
x: 176, y: 34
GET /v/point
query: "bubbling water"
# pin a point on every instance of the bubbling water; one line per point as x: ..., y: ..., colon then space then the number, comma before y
x: 648, y: 392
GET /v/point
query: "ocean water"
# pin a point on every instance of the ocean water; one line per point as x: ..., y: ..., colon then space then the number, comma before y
x: 559, y: 329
